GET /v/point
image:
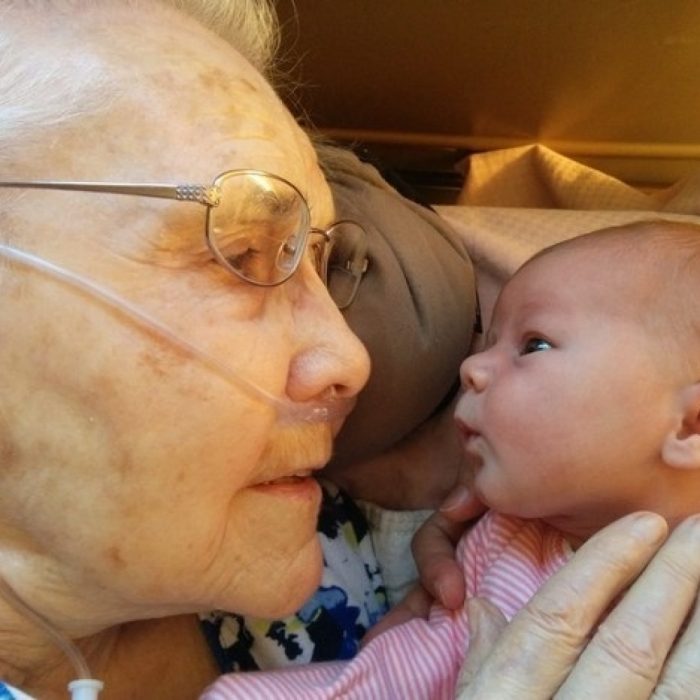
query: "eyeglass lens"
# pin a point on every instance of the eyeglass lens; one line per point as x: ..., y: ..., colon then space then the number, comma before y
x: 259, y: 228
x: 259, y: 232
x: 346, y: 261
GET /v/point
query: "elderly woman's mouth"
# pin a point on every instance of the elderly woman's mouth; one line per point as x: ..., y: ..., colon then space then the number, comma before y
x: 299, y: 485
x: 289, y: 479
x: 301, y: 477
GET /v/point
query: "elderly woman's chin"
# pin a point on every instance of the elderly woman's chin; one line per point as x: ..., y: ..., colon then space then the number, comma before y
x: 282, y: 595
x: 275, y: 586
x: 270, y: 560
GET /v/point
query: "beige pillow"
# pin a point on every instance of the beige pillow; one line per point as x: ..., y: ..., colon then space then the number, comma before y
x: 519, y: 200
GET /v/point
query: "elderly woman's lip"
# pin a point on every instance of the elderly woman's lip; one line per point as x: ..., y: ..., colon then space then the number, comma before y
x: 288, y: 479
x: 296, y: 486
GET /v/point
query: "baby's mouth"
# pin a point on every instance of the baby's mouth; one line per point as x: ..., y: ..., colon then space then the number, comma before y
x: 468, y: 437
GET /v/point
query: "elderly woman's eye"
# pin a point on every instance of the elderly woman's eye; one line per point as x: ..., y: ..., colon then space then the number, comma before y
x: 246, y: 256
x: 239, y: 248
x: 243, y: 258
x: 248, y: 249
x: 535, y: 345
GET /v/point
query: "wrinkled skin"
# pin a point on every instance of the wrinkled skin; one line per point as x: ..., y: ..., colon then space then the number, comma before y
x: 132, y: 479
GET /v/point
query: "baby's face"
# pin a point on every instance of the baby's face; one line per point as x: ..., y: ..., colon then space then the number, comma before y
x: 567, y: 407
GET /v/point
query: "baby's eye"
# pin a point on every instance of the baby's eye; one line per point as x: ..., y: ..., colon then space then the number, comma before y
x: 535, y: 345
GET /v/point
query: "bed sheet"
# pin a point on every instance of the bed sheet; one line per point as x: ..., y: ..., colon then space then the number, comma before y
x: 517, y: 201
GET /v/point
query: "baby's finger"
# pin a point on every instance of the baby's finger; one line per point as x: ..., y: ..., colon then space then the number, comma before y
x: 434, y: 551
x: 461, y: 504
x: 415, y: 604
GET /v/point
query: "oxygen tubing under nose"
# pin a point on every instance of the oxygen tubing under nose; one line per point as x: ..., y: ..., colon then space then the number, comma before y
x: 330, y: 407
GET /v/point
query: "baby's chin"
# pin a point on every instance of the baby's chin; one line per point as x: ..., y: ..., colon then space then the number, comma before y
x: 505, y: 503
x: 492, y: 498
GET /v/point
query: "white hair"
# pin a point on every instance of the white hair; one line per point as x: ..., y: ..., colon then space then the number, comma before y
x: 48, y: 83
x: 39, y: 88
x: 249, y: 25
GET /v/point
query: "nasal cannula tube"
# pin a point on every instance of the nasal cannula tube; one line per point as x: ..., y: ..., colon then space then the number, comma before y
x: 322, y: 411
x: 84, y: 687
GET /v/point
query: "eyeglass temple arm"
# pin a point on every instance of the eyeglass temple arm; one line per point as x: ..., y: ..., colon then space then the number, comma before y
x: 208, y: 195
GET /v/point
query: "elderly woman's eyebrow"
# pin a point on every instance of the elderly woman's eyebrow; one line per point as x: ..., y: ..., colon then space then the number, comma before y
x: 171, y: 229
x: 278, y: 204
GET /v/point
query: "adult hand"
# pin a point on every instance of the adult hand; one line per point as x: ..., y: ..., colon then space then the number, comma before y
x: 552, y: 647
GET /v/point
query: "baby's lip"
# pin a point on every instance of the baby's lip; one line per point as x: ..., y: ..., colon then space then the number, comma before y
x: 467, y: 433
x: 465, y: 430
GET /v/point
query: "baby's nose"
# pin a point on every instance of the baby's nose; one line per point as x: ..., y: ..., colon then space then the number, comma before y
x: 474, y: 373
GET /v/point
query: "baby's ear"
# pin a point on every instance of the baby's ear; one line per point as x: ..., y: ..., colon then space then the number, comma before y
x: 681, y: 448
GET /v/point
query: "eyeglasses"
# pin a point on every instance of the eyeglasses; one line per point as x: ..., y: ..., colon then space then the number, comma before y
x: 258, y: 226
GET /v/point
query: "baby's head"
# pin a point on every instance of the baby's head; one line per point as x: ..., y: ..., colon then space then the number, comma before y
x: 585, y: 404
x: 648, y: 271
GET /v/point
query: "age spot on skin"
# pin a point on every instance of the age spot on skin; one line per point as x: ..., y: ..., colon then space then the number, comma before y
x: 114, y: 556
x: 8, y: 453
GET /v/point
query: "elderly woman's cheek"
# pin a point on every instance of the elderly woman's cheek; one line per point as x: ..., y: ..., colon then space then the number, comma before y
x: 121, y: 438
x: 50, y: 440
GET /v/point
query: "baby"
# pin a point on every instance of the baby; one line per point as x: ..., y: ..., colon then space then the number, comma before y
x: 583, y: 407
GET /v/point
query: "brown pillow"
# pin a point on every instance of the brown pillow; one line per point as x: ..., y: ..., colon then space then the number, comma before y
x: 414, y: 310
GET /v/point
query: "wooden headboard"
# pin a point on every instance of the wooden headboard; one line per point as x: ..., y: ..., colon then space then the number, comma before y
x: 613, y: 83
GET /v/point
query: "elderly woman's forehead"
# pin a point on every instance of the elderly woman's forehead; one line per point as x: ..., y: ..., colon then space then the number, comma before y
x: 182, y: 103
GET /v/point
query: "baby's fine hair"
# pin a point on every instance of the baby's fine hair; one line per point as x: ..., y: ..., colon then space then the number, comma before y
x: 666, y: 254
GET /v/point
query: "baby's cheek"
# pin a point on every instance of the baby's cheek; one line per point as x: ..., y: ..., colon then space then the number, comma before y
x: 505, y: 412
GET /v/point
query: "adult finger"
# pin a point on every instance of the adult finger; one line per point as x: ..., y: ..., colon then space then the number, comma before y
x: 486, y: 624
x: 541, y: 644
x: 626, y: 655
x: 681, y: 674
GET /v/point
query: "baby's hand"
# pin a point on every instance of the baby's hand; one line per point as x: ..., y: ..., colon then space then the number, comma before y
x: 416, y: 604
x: 434, y: 546
x: 434, y: 551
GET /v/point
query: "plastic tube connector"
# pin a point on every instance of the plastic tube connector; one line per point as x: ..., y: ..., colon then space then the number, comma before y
x: 85, y: 689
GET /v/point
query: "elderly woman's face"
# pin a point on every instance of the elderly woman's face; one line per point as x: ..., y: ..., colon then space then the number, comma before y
x: 133, y: 469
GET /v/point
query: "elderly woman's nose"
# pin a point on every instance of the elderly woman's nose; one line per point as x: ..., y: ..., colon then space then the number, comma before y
x: 329, y: 354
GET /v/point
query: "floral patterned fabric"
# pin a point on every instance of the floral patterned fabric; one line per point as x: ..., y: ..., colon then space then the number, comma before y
x: 350, y: 599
